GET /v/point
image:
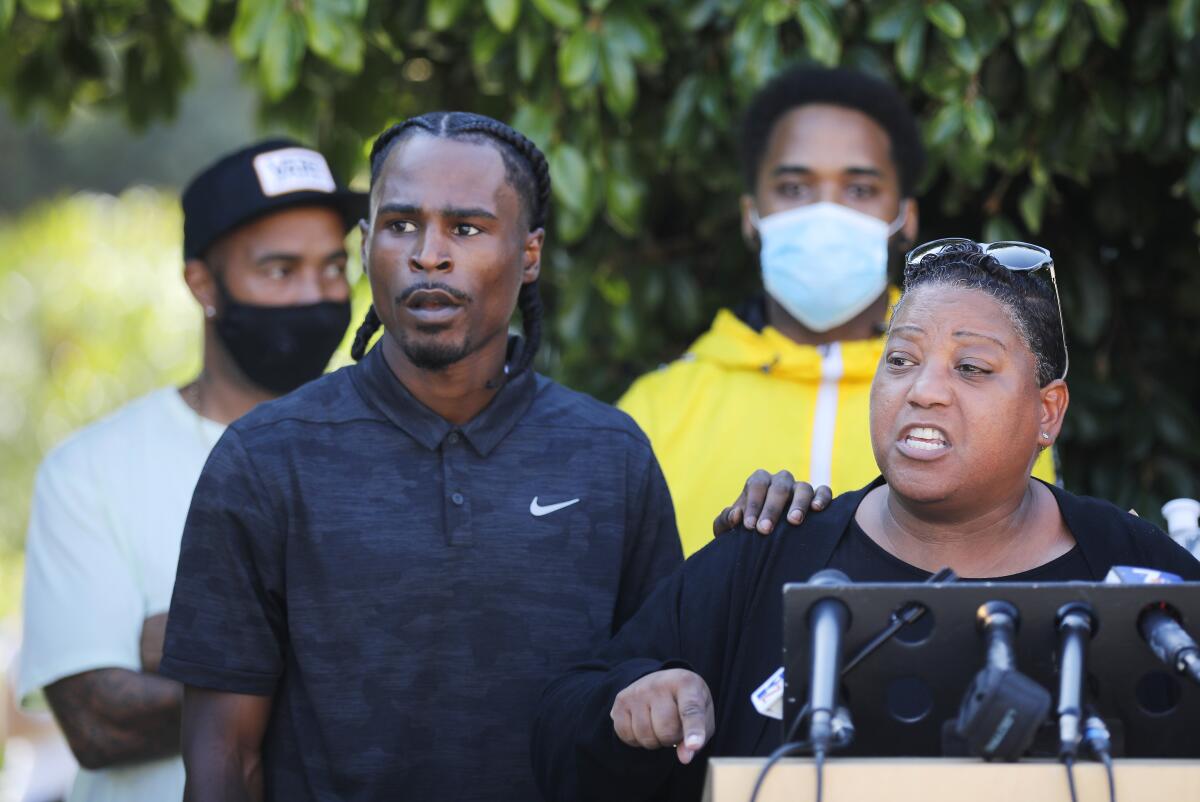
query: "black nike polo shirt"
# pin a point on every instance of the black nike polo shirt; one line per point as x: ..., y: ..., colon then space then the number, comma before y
x: 404, y: 587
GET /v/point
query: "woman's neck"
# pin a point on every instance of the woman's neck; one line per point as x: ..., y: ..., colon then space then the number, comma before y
x: 1016, y: 534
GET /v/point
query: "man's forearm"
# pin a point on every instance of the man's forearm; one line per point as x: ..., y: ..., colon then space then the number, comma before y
x: 222, y: 745
x: 114, y: 716
x: 226, y: 780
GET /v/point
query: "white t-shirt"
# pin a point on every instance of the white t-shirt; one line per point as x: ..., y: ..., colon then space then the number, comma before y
x: 109, y: 506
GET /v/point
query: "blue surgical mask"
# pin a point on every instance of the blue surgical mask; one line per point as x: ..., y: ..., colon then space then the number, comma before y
x: 824, y: 263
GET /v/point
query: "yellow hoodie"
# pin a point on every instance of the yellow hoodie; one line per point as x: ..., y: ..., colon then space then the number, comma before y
x: 741, y: 399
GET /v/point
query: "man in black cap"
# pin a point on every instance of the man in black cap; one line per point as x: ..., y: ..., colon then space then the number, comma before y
x: 264, y: 232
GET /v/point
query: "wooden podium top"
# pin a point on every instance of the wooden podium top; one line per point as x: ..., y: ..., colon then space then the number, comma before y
x: 730, y: 779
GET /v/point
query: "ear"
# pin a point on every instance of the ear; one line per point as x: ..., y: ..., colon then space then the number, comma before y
x: 198, y: 276
x: 749, y: 232
x: 532, y: 263
x: 912, y: 223
x: 364, y: 230
x: 1055, y: 398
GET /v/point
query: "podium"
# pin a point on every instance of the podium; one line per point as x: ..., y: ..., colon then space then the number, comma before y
x: 731, y: 779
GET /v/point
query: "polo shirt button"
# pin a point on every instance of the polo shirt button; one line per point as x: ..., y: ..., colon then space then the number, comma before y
x: 457, y: 498
x: 453, y: 438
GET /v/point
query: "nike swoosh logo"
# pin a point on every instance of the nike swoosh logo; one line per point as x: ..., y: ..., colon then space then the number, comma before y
x: 538, y: 510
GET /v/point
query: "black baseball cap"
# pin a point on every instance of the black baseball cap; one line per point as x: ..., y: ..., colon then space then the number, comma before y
x: 267, y: 177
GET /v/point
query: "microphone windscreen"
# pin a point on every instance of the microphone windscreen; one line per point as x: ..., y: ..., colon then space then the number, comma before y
x: 829, y: 576
x: 1132, y: 575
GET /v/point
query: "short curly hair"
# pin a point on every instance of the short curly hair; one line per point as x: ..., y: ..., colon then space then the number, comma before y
x: 1028, y: 298
x: 806, y: 85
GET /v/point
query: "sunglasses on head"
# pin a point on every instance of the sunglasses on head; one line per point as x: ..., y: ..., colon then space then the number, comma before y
x: 1020, y: 257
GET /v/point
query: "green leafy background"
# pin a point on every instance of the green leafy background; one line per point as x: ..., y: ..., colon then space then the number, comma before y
x: 1073, y: 123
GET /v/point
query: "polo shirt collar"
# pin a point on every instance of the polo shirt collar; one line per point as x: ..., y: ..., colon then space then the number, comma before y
x: 383, y: 391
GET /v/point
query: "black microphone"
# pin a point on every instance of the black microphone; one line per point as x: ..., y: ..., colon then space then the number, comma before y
x: 1170, y: 642
x: 997, y: 622
x: 1002, y: 708
x: 828, y: 620
x: 1075, y: 627
x: 1165, y: 636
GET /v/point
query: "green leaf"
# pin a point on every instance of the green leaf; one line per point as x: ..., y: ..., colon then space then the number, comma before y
x: 966, y: 52
x: 820, y: 31
x: 1193, y: 183
x: 335, y: 39
x: 441, y: 14
x: 349, y: 57
x: 774, y: 12
x: 945, y: 125
x: 1108, y: 105
x: 1031, y: 205
x: 570, y: 177
x: 1073, y: 47
x: 485, y: 44
x: 1031, y: 48
x: 578, y: 58
x: 754, y: 50
x: 570, y: 225
x: 282, y: 50
x: 620, y: 81
x: 503, y: 13
x: 711, y: 100
x: 1091, y: 313
x: 1043, y: 92
x: 623, y: 201
x: 686, y: 304
x: 635, y: 33
x: 981, y: 122
x: 530, y: 47
x: 910, y: 49
x: 1000, y: 229
x: 699, y: 14
x: 535, y: 121
x: 1151, y: 45
x: 1023, y: 11
x: 193, y: 11
x: 560, y: 13
x: 7, y: 9
x: 1193, y: 133
x: 1144, y: 116
x: 987, y: 27
x: 1110, y: 20
x: 47, y: 10
x: 324, y: 31
x: 947, y: 18
x: 1050, y: 18
x: 889, y: 20
x: 681, y: 112
x: 250, y: 25
x: 945, y: 81
x: 1183, y: 18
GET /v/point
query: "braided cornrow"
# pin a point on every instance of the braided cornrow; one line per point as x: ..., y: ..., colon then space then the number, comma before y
x: 363, y: 336
x: 526, y: 170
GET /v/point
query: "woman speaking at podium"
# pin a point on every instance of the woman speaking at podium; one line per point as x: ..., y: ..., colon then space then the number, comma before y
x: 971, y: 387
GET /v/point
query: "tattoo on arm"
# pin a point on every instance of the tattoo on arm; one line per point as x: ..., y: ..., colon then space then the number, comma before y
x: 114, y: 716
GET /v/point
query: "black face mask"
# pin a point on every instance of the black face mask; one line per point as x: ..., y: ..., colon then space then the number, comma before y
x: 280, y: 348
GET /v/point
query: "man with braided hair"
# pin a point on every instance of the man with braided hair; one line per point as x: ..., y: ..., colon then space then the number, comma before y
x: 380, y: 572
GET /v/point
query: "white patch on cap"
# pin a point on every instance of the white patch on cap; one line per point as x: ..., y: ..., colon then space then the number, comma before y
x: 281, y: 172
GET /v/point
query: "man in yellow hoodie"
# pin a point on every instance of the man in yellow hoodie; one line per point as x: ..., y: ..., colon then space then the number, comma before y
x: 830, y: 160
